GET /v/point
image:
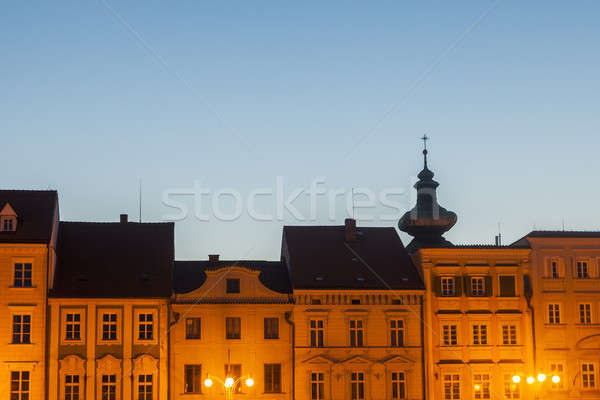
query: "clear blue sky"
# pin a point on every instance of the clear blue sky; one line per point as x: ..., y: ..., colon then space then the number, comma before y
x: 95, y: 95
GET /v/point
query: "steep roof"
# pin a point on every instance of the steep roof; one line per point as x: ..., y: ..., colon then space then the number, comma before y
x: 114, y: 260
x: 35, y: 211
x: 319, y: 257
x: 190, y: 275
x: 557, y: 235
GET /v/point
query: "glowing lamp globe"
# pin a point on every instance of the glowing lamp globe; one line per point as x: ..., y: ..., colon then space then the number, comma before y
x: 208, y: 382
x: 476, y: 387
x: 249, y: 382
x: 530, y: 379
x: 229, y: 382
x: 516, y: 379
x: 556, y: 379
x: 541, y: 377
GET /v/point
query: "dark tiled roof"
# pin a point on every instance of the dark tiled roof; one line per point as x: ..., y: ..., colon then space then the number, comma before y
x: 321, y: 258
x: 555, y: 234
x: 35, y: 214
x: 190, y: 275
x: 114, y: 260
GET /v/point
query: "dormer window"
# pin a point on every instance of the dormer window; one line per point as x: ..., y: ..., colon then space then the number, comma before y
x: 233, y: 285
x: 8, y: 219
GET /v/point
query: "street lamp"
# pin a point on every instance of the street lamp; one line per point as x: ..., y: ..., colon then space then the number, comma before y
x: 229, y: 383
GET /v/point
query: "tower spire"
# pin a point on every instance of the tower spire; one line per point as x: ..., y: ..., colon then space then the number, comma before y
x: 427, y: 221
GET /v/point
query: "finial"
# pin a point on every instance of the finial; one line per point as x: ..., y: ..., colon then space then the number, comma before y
x: 425, y: 138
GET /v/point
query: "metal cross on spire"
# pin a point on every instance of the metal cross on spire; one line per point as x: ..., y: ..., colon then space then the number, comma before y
x: 425, y: 138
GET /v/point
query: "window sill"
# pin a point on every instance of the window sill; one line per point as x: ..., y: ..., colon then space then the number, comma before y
x: 549, y: 325
x: 109, y: 343
x: 72, y: 342
x: 22, y: 287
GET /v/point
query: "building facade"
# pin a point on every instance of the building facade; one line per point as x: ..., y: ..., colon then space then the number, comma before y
x: 566, y: 299
x: 28, y: 230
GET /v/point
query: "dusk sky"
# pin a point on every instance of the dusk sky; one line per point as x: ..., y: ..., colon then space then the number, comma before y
x: 98, y: 95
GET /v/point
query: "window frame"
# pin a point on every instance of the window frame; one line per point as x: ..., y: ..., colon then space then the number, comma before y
x: 65, y: 311
x: 271, y: 328
x: 452, y: 333
x: 479, y: 334
x: 23, y: 337
x: 25, y: 283
x: 191, y: 322
x: 580, y: 271
x: 479, y: 379
x: 553, y: 367
x: 398, y: 385
x: 68, y: 387
x: 585, y: 312
x: 275, y: 383
x: 155, y: 325
x: 233, y: 286
x: 553, y: 313
x: 118, y: 323
x: 397, y: 333
x: 23, y: 376
x: 481, y: 289
x: 511, y: 336
x: 197, y: 384
x: 511, y: 390
x: 231, y: 335
x: 356, y: 333
x: 318, y: 331
x: 592, y: 377
x: 448, y: 291
x: 514, y: 289
x: 454, y: 383
x: 319, y: 383
x: 358, y: 385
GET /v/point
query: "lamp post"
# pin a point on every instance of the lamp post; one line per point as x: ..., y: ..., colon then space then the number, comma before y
x: 229, y: 384
x: 540, y: 379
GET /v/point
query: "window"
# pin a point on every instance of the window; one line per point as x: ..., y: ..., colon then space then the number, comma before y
x: 480, y: 334
x: 272, y: 378
x: 109, y: 387
x: 317, y: 386
x: 448, y: 286
x: 397, y: 333
x: 71, y: 387
x: 73, y: 326
x: 481, y: 386
x: 145, y: 326
x: 509, y: 334
x: 192, y: 328
x: 477, y: 286
x: 398, y: 385
x: 234, y: 371
x: 588, y: 376
x: 511, y: 389
x: 356, y: 333
x: 109, y: 326
x: 507, y: 286
x: 233, y: 285
x: 553, y: 269
x: 316, y: 332
x: 21, y: 332
x: 193, y: 374
x: 585, y: 313
x: 19, y: 385
x: 9, y: 223
x: 449, y: 335
x: 582, y: 270
x: 145, y: 387
x: 357, y: 385
x: 557, y: 369
x: 451, y: 387
x: 554, y: 313
x: 22, y: 277
x: 233, y: 327
x: 271, y: 328
x: 355, y: 301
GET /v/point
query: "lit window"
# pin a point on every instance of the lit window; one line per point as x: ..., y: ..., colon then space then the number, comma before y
x: 109, y: 387
x: 585, y: 313
x: 397, y: 333
x: 451, y: 387
x: 511, y: 389
x: 272, y: 378
x: 557, y: 369
x: 19, y: 385
x: 145, y: 326
x: 71, y: 387
x: 449, y: 335
x: 477, y: 286
x: 109, y: 326
x: 356, y: 333
x: 21, y: 329
x: 357, y: 385
x: 588, y: 376
x: 193, y: 374
x: 398, y: 385
x: 73, y: 327
x: 317, y: 386
x: 234, y: 371
x: 22, y: 276
x: 480, y: 334
x: 509, y: 334
x: 582, y: 270
x: 317, y: 331
x: 233, y: 327
x: 271, y: 328
x: 145, y: 387
x: 448, y: 286
x: 554, y: 313
x: 193, y: 328
x: 481, y: 386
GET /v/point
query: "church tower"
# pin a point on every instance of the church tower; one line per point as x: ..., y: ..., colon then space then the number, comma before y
x: 427, y: 221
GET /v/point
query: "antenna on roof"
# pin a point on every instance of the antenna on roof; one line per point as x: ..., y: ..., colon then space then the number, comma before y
x: 563, y: 223
x: 353, y: 203
x: 499, y: 236
x: 140, y: 198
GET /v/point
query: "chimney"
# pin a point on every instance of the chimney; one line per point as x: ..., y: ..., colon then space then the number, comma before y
x: 350, y: 224
x: 123, y: 218
x: 213, y: 258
